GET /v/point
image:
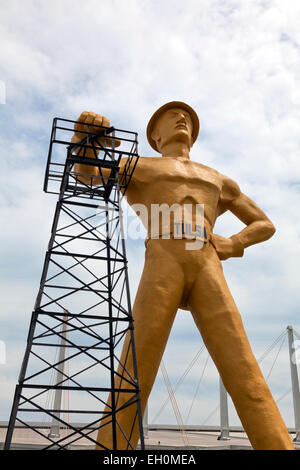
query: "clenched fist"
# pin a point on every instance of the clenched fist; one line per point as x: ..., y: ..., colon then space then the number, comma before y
x: 227, y: 247
x: 91, y: 120
x: 87, y: 122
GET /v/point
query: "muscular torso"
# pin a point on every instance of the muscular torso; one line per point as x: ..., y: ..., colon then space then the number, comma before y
x: 168, y: 180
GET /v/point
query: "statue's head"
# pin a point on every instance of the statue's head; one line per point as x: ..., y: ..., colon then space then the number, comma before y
x: 174, y: 121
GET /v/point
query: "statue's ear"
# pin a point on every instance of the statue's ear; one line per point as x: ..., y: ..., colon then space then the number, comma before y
x: 155, y: 135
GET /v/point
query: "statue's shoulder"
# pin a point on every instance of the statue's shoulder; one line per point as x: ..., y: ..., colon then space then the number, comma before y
x: 230, y: 188
x: 143, y: 163
x: 145, y: 160
x: 141, y: 160
x: 144, y: 170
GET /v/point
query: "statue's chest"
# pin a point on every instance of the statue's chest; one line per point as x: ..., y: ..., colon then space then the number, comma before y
x: 168, y: 170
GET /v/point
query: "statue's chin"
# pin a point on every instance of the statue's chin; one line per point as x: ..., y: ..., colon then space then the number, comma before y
x: 180, y: 137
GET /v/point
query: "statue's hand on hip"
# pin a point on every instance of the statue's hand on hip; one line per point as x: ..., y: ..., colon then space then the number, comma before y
x: 227, y: 247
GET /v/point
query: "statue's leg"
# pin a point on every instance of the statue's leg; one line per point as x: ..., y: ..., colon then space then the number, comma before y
x: 154, y: 309
x: 221, y: 327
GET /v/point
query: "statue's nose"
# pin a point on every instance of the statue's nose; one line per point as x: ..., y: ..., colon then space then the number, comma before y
x: 181, y: 118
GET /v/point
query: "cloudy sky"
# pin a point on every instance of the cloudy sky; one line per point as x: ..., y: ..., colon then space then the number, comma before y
x: 237, y: 63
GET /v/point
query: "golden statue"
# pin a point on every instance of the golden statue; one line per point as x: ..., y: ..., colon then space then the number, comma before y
x: 175, y: 277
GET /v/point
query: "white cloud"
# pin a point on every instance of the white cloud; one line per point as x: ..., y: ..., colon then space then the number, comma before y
x: 236, y: 63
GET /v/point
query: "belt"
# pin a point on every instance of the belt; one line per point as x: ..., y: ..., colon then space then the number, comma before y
x: 183, y: 231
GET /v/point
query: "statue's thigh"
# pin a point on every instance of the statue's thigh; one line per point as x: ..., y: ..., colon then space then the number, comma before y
x: 156, y: 303
x: 154, y: 309
x: 220, y: 324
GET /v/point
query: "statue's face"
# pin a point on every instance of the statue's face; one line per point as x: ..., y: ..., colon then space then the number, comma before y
x: 175, y: 124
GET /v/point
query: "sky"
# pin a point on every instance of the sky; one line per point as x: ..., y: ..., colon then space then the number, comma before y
x: 237, y: 64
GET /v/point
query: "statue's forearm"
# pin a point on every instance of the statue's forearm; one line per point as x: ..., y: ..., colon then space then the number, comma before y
x: 258, y: 226
x: 256, y: 232
x: 87, y: 174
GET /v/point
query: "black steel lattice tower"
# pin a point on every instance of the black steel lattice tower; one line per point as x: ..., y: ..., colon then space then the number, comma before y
x: 84, y: 292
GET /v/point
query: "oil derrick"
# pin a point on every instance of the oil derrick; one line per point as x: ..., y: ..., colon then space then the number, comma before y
x: 83, y: 304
